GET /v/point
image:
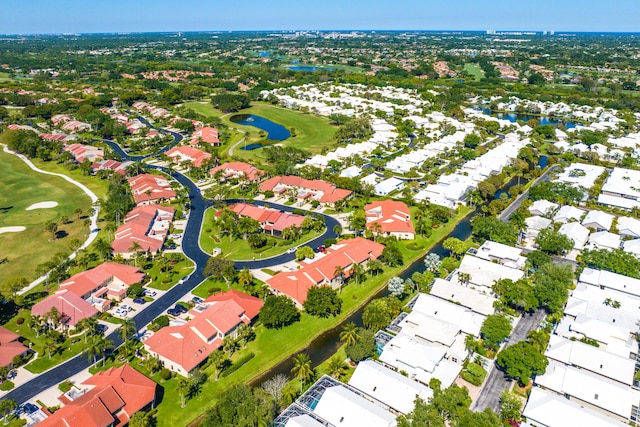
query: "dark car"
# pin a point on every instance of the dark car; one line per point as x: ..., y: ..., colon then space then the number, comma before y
x: 173, y: 312
x: 180, y: 308
x: 102, y: 328
x: 139, y: 300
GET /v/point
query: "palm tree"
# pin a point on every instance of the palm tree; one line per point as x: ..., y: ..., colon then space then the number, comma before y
x: 51, y: 344
x: 245, y: 334
x: 94, y: 350
x: 106, y: 345
x: 375, y: 266
x: 127, y: 329
x: 337, y: 366
x: 350, y: 334
x: 6, y: 406
x: 218, y: 361
x: 184, y: 386
x: 302, y: 368
x: 229, y: 345
x: 135, y: 247
x: 245, y: 277
x: 90, y: 327
x: 358, y: 271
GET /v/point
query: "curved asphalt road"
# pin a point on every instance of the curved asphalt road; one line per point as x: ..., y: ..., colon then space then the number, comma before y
x: 191, y: 249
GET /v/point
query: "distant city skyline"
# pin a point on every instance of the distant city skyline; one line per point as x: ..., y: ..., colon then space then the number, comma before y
x: 75, y: 16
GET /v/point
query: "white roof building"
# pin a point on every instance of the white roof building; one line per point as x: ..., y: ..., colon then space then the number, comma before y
x: 503, y: 254
x: 629, y: 227
x: 632, y: 247
x: 594, y: 391
x: 575, y: 232
x: 304, y: 420
x: 603, y: 240
x: 476, y: 301
x: 592, y: 359
x: 581, y: 174
x: 612, y: 338
x: 421, y: 360
x: 371, y: 179
x: 567, y: 213
x: 484, y: 273
x: 608, y: 280
x: 351, y: 172
x: 598, y: 220
x: 545, y: 409
x: 388, y: 386
x: 608, y: 305
x: 621, y: 189
x: 535, y: 224
x: 342, y: 407
x: 388, y: 186
x: 542, y: 207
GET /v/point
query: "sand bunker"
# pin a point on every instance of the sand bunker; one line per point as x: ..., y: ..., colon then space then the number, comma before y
x: 14, y: 229
x: 42, y: 205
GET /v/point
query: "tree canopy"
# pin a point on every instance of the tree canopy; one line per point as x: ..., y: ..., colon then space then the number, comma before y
x: 278, y: 311
x: 323, y: 301
x: 521, y: 361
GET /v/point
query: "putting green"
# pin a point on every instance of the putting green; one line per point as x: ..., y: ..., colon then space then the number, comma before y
x: 21, y: 252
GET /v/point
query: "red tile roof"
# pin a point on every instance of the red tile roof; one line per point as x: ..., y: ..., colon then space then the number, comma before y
x: 80, y: 152
x: 296, y: 284
x: 206, y: 134
x: 325, y: 192
x: 118, y: 393
x: 147, y: 187
x: 250, y: 304
x: 83, y: 284
x: 393, y: 217
x: 234, y: 169
x: 67, y: 303
x: 269, y: 219
x: 184, y: 153
x: 190, y: 344
x: 147, y: 225
x: 10, y: 347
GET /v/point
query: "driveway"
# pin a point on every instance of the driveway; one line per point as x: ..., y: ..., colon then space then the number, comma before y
x: 496, y: 381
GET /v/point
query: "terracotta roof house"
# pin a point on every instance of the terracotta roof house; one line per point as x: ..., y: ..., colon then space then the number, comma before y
x: 10, y: 347
x: 250, y: 304
x: 322, y: 191
x: 71, y: 306
x: 206, y: 134
x: 147, y: 189
x: 82, y: 152
x: 185, y: 153
x: 108, y: 278
x: 390, y: 218
x: 112, y: 165
x: 271, y: 220
x: 61, y: 137
x: 110, y: 399
x: 146, y: 225
x: 75, y: 126
x: 234, y: 170
x: 322, y: 270
x: 60, y: 118
x: 183, y: 348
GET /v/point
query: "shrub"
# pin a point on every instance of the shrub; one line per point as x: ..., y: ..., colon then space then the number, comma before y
x: 213, y: 290
x: 20, y: 321
x: 65, y: 386
x: 237, y: 365
x: 165, y: 374
x: 474, y: 373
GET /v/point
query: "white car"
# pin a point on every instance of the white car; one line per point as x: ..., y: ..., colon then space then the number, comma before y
x: 291, y: 250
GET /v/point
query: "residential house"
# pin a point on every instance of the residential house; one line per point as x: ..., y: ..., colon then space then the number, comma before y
x: 11, y: 347
x: 238, y: 170
x: 388, y: 386
x: 108, y: 279
x: 342, y: 407
x: 542, y: 207
x: 146, y: 227
x: 207, y: 135
x: 483, y: 273
x: 82, y: 152
x: 607, y: 280
x: 72, y: 307
x: 535, y: 224
x: 76, y: 126
x: 621, y: 189
x: 568, y: 213
x: 305, y: 189
x: 183, y: 348
x: 501, y: 254
x: 185, y: 153
x: 603, y: 240
x: 383, y: 188
x: 148, y: 189
x: 390, y: 218
x: 329, y: 269
x: 581, y: 175
x: 598, y: 220
x: 109, y: 399
x: 576, y: 232
x: 111, y: 165
x: 629, y: 228
x: 271, y: 221
x: 478, y: 302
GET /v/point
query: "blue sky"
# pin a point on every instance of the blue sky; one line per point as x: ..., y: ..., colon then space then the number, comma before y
x: 90, y: 16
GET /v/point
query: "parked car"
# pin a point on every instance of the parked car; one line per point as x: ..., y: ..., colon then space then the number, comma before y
x: 180, y: 308
x: 149, y: 293
x: 126, y: 307
x: 291, y: 250
x: 197, y: 300
x: 173, y: 312
x: 102, y: 328
x: 139, y: 300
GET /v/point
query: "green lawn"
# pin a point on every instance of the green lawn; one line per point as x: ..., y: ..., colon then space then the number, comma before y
x: 165, y: 280
x: 4, y: 76
x: 239, y: 249
x: 474, y: 70
x: 22, y: 187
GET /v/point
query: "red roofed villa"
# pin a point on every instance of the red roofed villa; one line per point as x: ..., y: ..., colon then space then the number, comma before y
x: 206, y: 134
x: 71, y: 306
x: 390, y: 218
x: 322, y: 270
x: 237, y: 170
x: 146, y: 225
x: 10, y: 347
x: 183, y: 348
x: 82, y: 152
x: 110, y: 399
x: 271, y: 220
x: 184, y: 153
x: 147, y: 189
x: 322, y: 191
